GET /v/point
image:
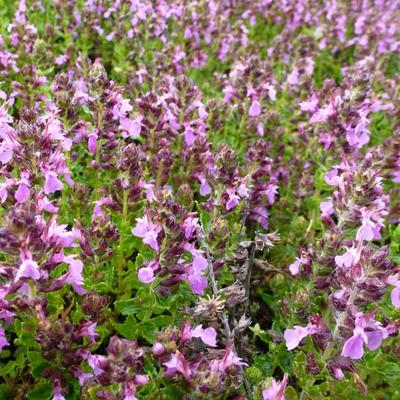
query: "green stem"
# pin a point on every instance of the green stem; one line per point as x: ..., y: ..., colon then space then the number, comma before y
x: 121, y: 249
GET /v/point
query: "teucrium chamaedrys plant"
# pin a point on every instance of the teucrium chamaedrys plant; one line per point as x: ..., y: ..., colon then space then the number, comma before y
x: 199, y: 199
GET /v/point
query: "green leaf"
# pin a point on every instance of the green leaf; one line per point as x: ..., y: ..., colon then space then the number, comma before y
x: 37, y: 362
x: 128, y: 329
x: 127, y: 307
x: 291, y: 393
x: 42, y: 391
x: 148, y: 329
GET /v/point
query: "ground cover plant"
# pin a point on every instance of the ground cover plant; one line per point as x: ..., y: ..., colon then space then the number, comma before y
x: 199, y: 199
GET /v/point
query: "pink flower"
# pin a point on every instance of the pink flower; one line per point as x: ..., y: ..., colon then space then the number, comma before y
x: 59, y: 235
x: 61, y: 59
x: 310, y: 105
x: 358, y: 136
x: 52, y: 183
x: 141, y: 379
x: 277, y: 389
x: 293, y: 337
x: 132, y: 126
x: 148, y: 231
x: 189, y: 136
x: 233, y: 199
x: 92, y: 142
x: 332, y: 178
x: 146, y: 275
x: 255, y: 109
x: 22, y: 192
x: 348, y: 259
x: 229, y: 358
x: 4, y: 189
x: 89, y: 330
x: 271, y: 92
x: 196, y: 269
x: 158, y: 349
x: 28, y: 269
x: 74, y: 276
x: 293, y: 78
x: 395, y: 294
x: 208, y: 336
x: 3, y: 340
x: 326, y: 207
x: 323, y: 114
x: 294, y: 268
x: 98, y: 363
x: 369, y: 230
x: 367, y: 331
x: 190, y: 225
x: 177, y: 363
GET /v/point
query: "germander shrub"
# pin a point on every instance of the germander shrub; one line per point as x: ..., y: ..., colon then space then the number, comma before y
x: 199, y: 199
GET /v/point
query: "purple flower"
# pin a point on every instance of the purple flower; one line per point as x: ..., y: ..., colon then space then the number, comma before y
x: 98, y: 363
x: 367, y: 331
x: 310, y: 105
x: 74, y: 276
x: 348, y: 259
x: 62, y: 59
x: 353, y: 347
x: 233, y: 199
x: 271, y: 92
x: 92, y: 142
x: 332, y: 178
x: 326, y: 207
x: 177, y: 363
x: 82, y: 376
x: 293, y: 337
x: 294, y: 268
x: 229, y: 358
x: 52, y: 183
x: 255, y: 109
x: 133, y: 127
x: 205, y: 188
x: 368, y: 230
x: 190, y: 225
x: 57, y: 390
x: 359, y: 136
x: 148, y: 231
x: 22, y: 192
x: 3, y: 340
x: 293, y: 78
x: 199, y: 264
x: 158, y: 349
x: 208, y: 336
x: 28, y: 269
x: 277, y: 389
x: 197, y: 283
x: 141, y: 379
x: 395, y: 294
x: 189, y: 136
x: 146, y: 275
x: 323, y: 114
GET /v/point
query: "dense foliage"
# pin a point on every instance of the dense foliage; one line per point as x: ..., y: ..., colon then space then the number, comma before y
x: 199, y: 199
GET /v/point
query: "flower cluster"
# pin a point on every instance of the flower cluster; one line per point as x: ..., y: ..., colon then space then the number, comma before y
x: 199, y: 199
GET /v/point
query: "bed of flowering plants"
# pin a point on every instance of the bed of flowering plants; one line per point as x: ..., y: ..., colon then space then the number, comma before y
x: 199, y: 199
